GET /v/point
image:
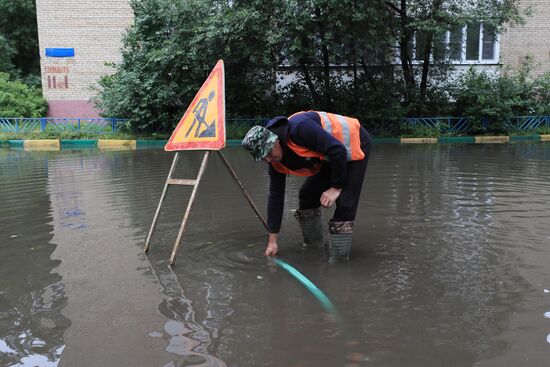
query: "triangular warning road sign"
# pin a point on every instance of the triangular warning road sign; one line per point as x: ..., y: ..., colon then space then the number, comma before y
x: 203, y: 124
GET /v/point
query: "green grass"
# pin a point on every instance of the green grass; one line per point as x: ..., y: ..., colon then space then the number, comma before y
x: 64, y: 136
x: 238, y: 130
x: 420, y: 132
x: 522, y: 132
x: 80, y: 136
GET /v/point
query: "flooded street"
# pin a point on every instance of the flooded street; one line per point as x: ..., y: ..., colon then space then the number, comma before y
x: 449, y: 265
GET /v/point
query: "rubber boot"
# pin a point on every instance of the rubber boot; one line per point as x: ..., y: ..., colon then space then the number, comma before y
x: 311, y: 227
x: 339, y: 241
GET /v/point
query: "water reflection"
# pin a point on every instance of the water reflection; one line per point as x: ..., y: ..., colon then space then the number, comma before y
x: 93, y: 196
x: 32, y: 293
x: 448, y: 264
x: 186, y: 338
x: 424, y: 260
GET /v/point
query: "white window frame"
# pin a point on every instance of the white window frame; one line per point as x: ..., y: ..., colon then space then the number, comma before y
x: 463, y: 61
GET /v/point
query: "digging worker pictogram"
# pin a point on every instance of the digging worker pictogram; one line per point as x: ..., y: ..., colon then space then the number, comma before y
x: 199, y: 113
x: 332, y: 151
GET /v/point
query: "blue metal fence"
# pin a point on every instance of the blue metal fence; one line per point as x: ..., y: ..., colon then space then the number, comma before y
x: 529, y: 122
x: 444, y: 124
x: 238, y: 125
x: 463, y: 124
x: 74, y: 125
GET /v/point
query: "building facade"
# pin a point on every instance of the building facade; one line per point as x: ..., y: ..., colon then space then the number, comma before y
x: 77, y: 38
x: 530, y: 40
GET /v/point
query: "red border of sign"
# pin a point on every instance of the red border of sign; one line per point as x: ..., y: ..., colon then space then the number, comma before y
x: 212, y: 145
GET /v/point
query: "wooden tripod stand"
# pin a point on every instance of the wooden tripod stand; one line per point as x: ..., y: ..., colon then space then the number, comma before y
x: 195, y: 183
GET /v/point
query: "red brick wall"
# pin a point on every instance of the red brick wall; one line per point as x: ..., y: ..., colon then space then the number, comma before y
x: 93, y: 28
x: 67, y: 108
x: 531, y: 39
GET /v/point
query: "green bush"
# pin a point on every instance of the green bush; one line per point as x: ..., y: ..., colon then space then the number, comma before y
x: 419, y: 131
x: 20, y: 100
x: 237, y: 129
x: 490, y: 100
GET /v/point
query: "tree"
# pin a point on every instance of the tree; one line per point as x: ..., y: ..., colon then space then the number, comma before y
x: 171, y: 48
x: 20, y: 100
x: 333, y: 56
x: 428, y: 20
x: 19, y: 53
x: 336, y: 55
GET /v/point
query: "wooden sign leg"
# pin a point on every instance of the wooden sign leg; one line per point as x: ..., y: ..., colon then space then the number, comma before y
x: 188, y: 210
x: 153, y: 225
x: 245, y: 194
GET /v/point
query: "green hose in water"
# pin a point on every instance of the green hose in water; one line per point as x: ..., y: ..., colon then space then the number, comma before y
x: 325, y: 302
x: 312, y: 288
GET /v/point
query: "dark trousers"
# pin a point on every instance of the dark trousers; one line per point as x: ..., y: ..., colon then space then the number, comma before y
x: 347, y: 202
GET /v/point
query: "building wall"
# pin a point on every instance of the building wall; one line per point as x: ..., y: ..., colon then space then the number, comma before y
x: 94, y: 29
x: 531, y: 39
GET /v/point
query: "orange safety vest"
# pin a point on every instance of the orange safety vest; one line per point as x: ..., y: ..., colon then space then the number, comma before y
x: 344, y: 129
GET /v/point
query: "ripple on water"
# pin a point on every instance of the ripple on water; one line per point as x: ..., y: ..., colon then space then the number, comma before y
x: 447, y: 239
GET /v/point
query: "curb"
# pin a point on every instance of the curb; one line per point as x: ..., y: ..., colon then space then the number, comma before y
x: 457, y: 139
x: 78, y: 144
x: 44, y: 144
x: 107, y: 144
x: 492, y: 139
x: 233, y: 143
x: 386, y: 140
x: 525, y: 138
x: 16, y: 143
x: 150, y: 143
x: 418, y: 140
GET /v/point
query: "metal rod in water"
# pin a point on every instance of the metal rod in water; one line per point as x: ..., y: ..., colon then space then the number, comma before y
x: 188, y: 210
x: 172, y: 168
x: 245, y: 194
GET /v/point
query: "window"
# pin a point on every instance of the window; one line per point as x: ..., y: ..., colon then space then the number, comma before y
x: 488, y: 43
x: 440, y: 46
x: 420, y: 45
x: 455, y: 43
x: 473, y: 43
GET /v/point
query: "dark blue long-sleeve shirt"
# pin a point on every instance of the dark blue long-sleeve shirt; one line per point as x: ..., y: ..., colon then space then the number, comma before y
x: 305, y: 130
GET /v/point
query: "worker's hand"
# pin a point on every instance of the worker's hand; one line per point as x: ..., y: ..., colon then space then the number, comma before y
x: 329, y: 197
x: 272, y: 247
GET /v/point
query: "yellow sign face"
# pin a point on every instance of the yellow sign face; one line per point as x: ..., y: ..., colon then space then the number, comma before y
x: 202, y: 127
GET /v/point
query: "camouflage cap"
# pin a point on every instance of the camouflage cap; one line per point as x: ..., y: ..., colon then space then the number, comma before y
x: 259, y: 141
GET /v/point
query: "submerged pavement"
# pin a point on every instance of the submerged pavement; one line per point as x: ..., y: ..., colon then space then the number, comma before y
x: 449, y: 264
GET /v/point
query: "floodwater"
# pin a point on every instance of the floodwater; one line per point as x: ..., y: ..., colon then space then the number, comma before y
x: 449, y: 263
